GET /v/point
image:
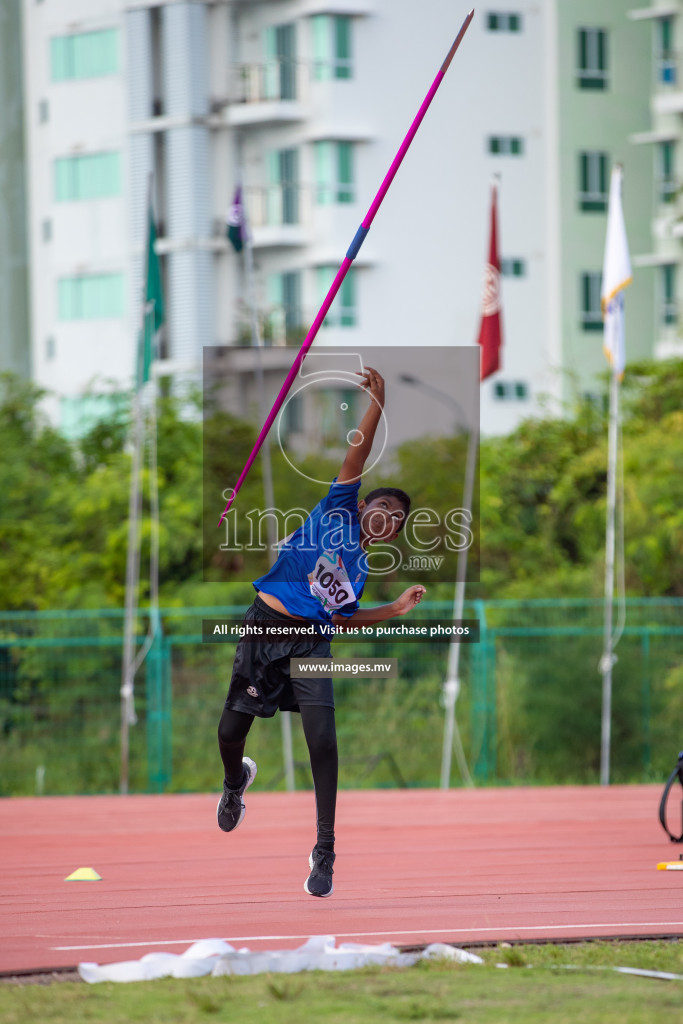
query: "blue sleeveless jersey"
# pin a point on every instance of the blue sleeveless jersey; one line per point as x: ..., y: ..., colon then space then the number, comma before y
x: 321, y: 569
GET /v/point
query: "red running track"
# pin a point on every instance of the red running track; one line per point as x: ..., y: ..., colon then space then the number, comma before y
x: 413, y: 866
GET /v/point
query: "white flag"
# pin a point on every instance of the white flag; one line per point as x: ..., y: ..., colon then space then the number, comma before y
x: 616, y: 274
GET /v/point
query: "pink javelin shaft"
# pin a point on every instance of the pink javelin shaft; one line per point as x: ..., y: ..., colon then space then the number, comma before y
x: 347, y: 261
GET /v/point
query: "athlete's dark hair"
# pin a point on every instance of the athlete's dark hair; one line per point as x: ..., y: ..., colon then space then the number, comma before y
x: 392, y: 492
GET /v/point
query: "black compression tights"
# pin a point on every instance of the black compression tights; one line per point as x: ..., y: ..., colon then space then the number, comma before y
x: 321, y: 739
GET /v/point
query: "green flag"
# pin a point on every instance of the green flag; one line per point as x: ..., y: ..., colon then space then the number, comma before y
x: 154, y: 305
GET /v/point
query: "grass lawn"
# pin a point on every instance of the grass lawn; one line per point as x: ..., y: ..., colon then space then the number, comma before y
x: 536, y: 987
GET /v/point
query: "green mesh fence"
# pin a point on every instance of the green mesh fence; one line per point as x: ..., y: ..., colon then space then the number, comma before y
x: 529, y: 707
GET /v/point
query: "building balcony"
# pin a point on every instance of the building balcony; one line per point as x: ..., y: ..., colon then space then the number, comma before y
x: 275, y: 91
x: 668, y: 88
x: 279, y: 215
x: 281, y: 326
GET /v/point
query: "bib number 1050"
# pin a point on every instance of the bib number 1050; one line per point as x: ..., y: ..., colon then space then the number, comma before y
x: 333, y: 586
x: 329, y: 582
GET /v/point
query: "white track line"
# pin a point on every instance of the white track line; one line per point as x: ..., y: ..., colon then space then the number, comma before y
x: 663, y: 926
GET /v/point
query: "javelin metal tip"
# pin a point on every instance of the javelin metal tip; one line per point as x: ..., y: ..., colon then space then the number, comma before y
x: 451, y: 53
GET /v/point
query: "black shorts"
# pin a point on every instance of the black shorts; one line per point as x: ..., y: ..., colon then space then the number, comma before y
x: 261, y: 681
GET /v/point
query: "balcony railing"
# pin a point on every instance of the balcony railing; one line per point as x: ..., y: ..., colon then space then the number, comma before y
x: 289, y: 325
x: 667, y: 190
x: 279, y: 205
x: 667, y: 69
x: 274, y: 81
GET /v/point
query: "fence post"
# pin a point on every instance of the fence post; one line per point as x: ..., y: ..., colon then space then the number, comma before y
x: 484, y: 699
x: 646, y: 705
x: 159, y: 714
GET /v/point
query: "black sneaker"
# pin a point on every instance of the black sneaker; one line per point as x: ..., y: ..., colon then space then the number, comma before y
x: 319, y: 882
x: 231, y: 809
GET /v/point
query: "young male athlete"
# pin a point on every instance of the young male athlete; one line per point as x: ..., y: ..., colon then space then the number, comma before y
x: 316, y: 582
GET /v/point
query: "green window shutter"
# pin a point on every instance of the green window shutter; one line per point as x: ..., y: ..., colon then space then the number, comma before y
x: 591, y: 314
x: 324, y: 173
x: 345, y: 172
x: 80, y: 45
x: 94, y: 176
x: 63, y: 187
x: 342, y: 47
x: 96, y: 54
x: 324, y: 276
x: 322, y: 63
x: 116, y: 298
x: 602, y: 50
x: 669, y: 313
x: 275, y: 290
x: 85, y: 55
x: 342, y: 313
x: 91, y: 297
x: 67, y: 304
x: 347, y: 295
x: 271, y: 76
x: 59, y: 58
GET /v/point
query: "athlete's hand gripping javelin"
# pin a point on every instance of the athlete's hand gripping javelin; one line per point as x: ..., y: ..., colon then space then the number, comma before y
x: 360, y: 440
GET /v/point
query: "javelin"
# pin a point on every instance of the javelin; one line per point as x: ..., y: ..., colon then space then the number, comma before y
x: 347, y: 261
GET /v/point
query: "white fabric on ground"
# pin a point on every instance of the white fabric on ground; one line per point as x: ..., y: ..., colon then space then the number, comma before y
x: 216, y: 957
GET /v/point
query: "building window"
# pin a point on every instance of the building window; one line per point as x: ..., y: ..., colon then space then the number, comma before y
x: 85, y: 55
x: 283, y: 187
x: 95, y: 176
x: 280, y: 70
x: 334, y: 172
x: 592, y: 58
x: 665, y: 57
x: 91, y: 297
x: 292, y: 420
x: 342, y: 312
x: 50, y: 348
x: 668, y: 304
x: 80, y: 415
x: 593, y: 188
x: 284, y: 299
x: 332, y: 56
x: 513, y: 267
x: 47, y: 229
x: 666, y: 176
x: 504, y: 22
x: 506, y: 145
x: 43, y: 111
x: 511, y: 390
x: 591, y: 309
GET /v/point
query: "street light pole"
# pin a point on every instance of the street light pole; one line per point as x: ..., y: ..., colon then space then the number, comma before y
x: 451, y: 686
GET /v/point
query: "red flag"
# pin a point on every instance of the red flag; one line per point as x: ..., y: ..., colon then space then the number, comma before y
x: 490, y: 332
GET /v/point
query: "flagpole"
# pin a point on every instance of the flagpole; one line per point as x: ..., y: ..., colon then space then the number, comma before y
x: 128, y: 716
x: 351, y: 254
x: 489, y: 343
x: 608, y: 658
x: 257, y: 342
x: 616, y: 275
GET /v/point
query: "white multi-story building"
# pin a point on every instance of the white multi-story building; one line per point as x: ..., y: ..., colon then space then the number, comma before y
x: 305, y: 102
x: 662, y: 24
